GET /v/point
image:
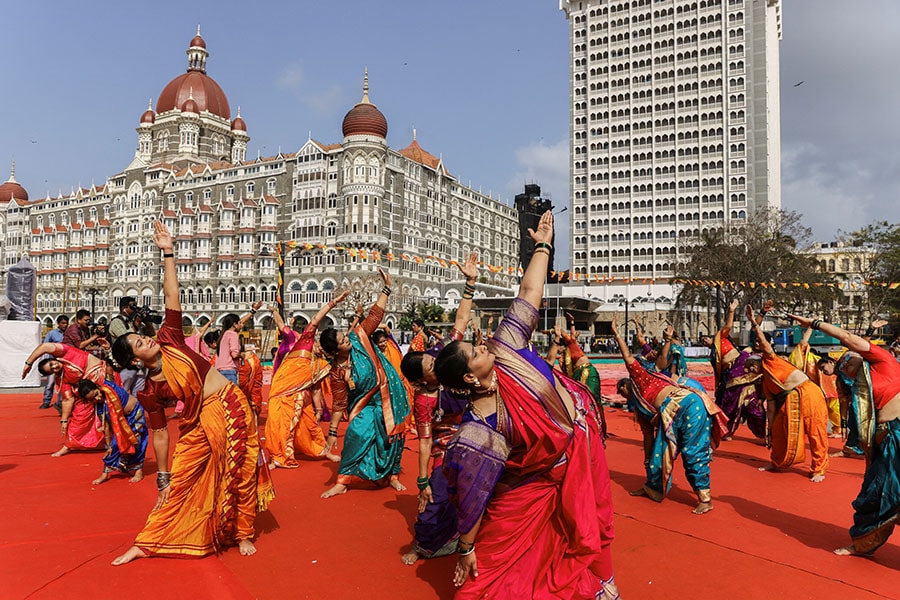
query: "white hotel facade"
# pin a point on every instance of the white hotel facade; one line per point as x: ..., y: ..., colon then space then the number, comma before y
x: 675, y: 127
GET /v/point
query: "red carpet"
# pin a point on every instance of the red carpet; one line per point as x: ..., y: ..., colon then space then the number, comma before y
x: 770, y: 535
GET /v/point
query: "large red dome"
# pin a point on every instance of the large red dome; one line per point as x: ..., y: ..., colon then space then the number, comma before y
x: 365, y: 119
x: 206, y: 92
x: 12, y: 190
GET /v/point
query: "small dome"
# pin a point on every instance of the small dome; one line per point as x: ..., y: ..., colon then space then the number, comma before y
x: 11, y: 190
x: 365, y: 118
x: 149, y: 116
x: 190, y: 106
x: 238, y: 123
x: 197, y: 42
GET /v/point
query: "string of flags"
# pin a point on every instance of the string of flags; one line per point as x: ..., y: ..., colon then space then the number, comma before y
x: 562, y: 276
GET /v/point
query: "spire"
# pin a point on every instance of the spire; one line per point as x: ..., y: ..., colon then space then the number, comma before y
x: 12, y: 172
x: 414, y: 134
x: 150, y: 104
x: 197, y: 53
x: 365, y: 98
x: 198, y: 29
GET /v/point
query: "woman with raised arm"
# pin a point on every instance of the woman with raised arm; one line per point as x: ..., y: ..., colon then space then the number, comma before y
x: 649, y: 355
x: 671, y: 360
x: 295, y: 399
x: 365, y: 383
x: 794, y: 406
x: 526, y: 470
x: 735, y: 384
x: 675, y: 419
x: 870, y: 375
x: 208, y: 498
x: 80, y: 425
x: 438, y: 414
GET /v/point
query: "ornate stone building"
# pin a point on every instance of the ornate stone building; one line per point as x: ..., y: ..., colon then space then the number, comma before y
x: 339, y: 210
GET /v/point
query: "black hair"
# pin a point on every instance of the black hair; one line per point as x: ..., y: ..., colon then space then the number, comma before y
x: 122, y: 353
x: 328, y: 341
x: 62, y: 318
x: 377, y: 336
x: 85, y: 387
x: 229, y: 320
x: 298, y: 324
x: 625, y: 381
x: 411, y: 366
x: 83, y: 312
x: 211, y: 337
x: 451, y: 365
x: 825, y: 360
x: 126, y: 301
x: 42, y: 363
x: 419, y: 322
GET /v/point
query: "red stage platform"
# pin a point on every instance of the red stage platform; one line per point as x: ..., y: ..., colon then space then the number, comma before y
x: 770, y: 535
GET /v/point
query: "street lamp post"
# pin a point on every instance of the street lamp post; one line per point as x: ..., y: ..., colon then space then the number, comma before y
x: 93, y: 292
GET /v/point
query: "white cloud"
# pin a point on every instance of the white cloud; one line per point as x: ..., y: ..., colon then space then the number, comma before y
x: 327, y: 101
x: 290, y: 77
x: 547, y: 166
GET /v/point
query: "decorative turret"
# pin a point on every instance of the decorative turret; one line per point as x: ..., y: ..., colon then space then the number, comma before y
x: 365, y: 118
x: 197, y: 53
x: 11, y: 190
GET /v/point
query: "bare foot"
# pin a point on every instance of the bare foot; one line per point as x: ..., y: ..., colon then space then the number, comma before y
x: 100, y: 479
x: 395, y: 483
x: 702, y: 508
x: 131, y: 554
x: 727, y: 438
x: 333, y: 457
x: 410, y: 557
x: 272, y: 466
x: 138, y: 475
x: 61, y: 452
x: 339, y: 488
x: 246, y: 548
x: 767, y: 468
x: 850, y: 551
x: 817, y: 478
x: 638, y: 492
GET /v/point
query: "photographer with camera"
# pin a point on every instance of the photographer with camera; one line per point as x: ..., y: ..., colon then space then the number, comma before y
x: 133, y: 319
x: 79, y: 335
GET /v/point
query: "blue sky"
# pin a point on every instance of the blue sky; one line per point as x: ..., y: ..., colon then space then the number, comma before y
x: 485, y: 84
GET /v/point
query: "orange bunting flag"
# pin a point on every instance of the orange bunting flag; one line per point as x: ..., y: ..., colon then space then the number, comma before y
x: 390, y: 256
x: 376, y: 255
x: 418, y: 259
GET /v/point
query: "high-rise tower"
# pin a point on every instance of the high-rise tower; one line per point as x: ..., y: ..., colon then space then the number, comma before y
x: 675, y: 126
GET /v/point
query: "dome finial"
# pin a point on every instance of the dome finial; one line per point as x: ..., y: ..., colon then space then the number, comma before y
x: 414, y: 134
x: 12, y: 172
x: 365, y: 98
x: 150, y: 104
x: 198, y: 28
x: 239, y: 110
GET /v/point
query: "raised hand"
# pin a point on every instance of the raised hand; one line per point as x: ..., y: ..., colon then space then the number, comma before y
x: 734, y: 305
x: 614, y: 327
x: 878, y: 323
x: 161, y: 236
x: 544, y: 232
x: 385, y: 276
x: 801, y: 321
x: 751, y: 314
x: 469, y: 269
x: 341, y: 296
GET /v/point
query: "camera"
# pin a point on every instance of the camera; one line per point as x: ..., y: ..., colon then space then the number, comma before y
x: 148, y: 315
x: 98, y: 329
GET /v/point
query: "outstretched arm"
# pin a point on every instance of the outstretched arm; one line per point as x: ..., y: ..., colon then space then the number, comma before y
x: 639, y: 335
x: 532, y: 288
x: 163, y: 241
x: 555, y: 341
x: 729, y: 320
x: 42, y: 349
x: 623, y: 347
x: 276, y: 316
x: 662, y: 361
x: 470, y: 271
x: 317, y: 318
x: 755, y: 322
x: 249, y: 315
x: 850, y: 340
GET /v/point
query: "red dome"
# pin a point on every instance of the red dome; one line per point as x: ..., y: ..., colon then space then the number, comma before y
x: 148, y: 117
x: 206, y: 92
x: 11, y: 189
x: 238, y: 124
x: 190, y: 106
x: 198, y: 42
x: 365, y: 119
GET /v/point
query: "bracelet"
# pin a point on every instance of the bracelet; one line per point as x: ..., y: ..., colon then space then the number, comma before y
x: 332, y: 433
x: 162, y: 480
x: 543, y: 245
x: 422, y: 483
x: 28, y: 363
x: 462, y: 552
x: 63, y: 421
x: 815, y: 324
x: 168, y: 255
x: 868, y: 333
x: 541, y: 251
x: 468, y: 296
x: 386, y: 290
x: 461, y: 542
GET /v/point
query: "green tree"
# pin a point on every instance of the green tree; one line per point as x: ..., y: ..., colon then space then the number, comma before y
x: 428, y: 312
x: 883, y: 266
x: 768, y: 248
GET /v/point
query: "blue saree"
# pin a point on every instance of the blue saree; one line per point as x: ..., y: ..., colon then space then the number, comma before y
x: 115, y: 460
